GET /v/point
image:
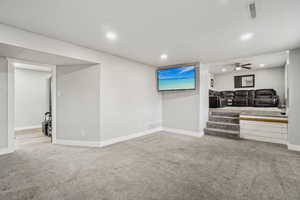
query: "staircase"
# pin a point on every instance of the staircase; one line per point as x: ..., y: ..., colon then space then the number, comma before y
x: 223, y: 124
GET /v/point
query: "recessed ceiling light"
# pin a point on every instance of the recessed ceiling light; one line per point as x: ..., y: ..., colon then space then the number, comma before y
x: 224, y: 70
x: 262, y: 65
x: 17, y: 64
x: 238, y: 68
x: 246, y: 36
x: 163, y: 56
x: 111, y: 36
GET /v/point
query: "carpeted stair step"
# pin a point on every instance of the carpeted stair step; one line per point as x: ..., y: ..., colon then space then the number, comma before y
x: 223, y: 126
x: 226, y: 114
x: 222, y: 133
x: 232, y: 120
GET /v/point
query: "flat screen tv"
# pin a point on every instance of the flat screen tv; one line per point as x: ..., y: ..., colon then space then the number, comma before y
x: 177, y: 78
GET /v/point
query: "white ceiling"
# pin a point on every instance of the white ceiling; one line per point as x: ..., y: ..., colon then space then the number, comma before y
x: 189, y: 30
x: 37, y: 57
x: 271, y: 60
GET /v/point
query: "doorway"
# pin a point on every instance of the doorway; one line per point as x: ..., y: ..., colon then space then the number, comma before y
x: 32, y: 94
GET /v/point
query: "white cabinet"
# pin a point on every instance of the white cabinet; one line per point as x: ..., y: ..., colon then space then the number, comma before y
x: 266, y: 129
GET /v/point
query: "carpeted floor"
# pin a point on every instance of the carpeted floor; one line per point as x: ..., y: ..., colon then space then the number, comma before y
x: 159, y: 166
x: 28, y: 137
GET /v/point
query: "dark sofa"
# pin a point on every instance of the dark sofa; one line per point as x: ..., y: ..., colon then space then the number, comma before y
x: 214, y: 99
x: 266, y: 98
x: 241, y: 98
x: 226, y: 98
x: 251, y: 98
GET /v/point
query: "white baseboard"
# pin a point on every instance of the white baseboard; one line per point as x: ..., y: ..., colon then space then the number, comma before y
x: 128, y: 137
x: 293, y: 147
x: 77, y: 143
x: 125, y: 138
x: 28, y: 128
x: 184, y: 132
x: 106, y: 142
x: 6, y: 151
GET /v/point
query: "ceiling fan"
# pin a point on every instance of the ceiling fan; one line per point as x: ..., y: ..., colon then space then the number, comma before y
x: 239, y: 66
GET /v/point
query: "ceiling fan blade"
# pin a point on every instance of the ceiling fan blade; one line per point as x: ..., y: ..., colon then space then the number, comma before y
x: 246, y: 67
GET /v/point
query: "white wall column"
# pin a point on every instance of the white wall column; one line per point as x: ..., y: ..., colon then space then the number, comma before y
x: 294, y: 100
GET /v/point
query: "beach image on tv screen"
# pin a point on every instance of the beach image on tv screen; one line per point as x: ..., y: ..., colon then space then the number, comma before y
x: 181, y: 78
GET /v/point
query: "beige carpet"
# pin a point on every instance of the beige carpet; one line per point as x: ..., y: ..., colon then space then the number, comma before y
x: 28, y: 137
x: 255, y: 111
x: 160, y: 166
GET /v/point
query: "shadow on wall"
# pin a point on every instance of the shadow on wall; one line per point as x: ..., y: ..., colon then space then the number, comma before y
x: 180, y: 94
x: 78, y: 102
x: 3, y: 102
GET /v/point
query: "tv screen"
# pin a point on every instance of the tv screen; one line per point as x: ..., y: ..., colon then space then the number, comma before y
x: 179, y: 78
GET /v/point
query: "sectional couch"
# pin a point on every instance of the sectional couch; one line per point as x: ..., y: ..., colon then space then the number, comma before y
x: 246, y: 98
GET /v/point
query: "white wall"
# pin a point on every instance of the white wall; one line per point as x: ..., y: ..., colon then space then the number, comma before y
x: 31, y: 97
x: 264, y: 78
x: 3, y: 103
x: 180, y: 109
x: 187, y: 110
x: 204, y: 81
x: 33, y: 41
x: 129, y: 100
x: 77, y: 103
x: 286, y: 84
x: 294, y: 97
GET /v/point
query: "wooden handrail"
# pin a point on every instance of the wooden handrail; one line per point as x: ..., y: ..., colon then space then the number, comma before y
x: 285, y: 121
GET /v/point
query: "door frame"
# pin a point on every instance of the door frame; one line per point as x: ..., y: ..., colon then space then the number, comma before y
x: 11, y: 98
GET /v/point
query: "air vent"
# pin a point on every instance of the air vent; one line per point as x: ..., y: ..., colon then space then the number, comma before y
x: 252, y: 10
